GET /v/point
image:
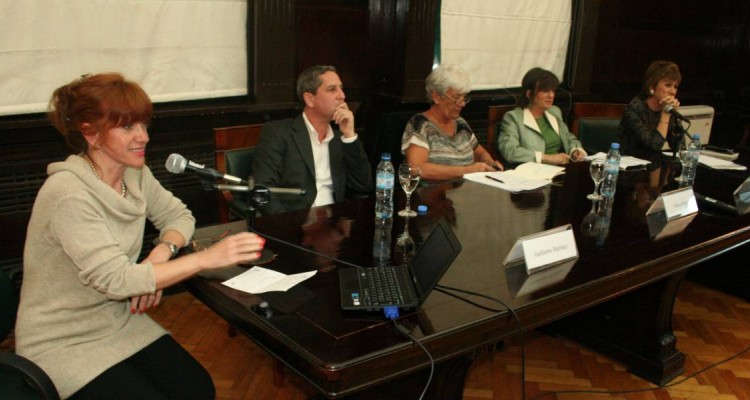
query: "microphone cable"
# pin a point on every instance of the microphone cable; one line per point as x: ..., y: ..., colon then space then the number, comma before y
x: 406, y: 333
x: 305, y: 249
x: 398, y: 326
x: 446, y: 290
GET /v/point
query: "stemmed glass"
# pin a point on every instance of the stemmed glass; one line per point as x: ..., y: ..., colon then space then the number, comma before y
x: 588, y: 223
x: 405, y: 243
x: 408, y: 176
x: 596, y: 169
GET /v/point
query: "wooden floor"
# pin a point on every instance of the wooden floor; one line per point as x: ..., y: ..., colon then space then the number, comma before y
x: 710, y: 325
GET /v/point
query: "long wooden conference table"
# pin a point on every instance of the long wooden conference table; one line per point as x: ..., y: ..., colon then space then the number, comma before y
x: 617, y: 297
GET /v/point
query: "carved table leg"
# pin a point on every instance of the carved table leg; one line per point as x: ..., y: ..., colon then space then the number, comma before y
x: 635, y: 328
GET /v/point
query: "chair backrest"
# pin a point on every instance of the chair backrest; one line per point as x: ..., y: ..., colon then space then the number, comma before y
x: 235, y: 147
x: 597, y: 134
x: 596, y: 124
x: 8, y: 305
x: 19, y: 377
x: 494, y: 117
x: 233, y: 138
x: 596, y: 110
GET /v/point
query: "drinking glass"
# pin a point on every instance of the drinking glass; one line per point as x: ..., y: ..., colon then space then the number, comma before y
x: 682, y: 155
x: 588, y: 223
x: 408, y: 176
x: 596, y: 169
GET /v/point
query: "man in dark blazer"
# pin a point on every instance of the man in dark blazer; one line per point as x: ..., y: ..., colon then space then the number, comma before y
x: 308, y: 153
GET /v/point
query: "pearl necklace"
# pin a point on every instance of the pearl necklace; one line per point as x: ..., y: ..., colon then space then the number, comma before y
x: 124, y: 188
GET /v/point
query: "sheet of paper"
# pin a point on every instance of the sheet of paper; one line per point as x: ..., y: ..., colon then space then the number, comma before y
x: 505, y: 181
x: 718, y: 163
x: 532, y: 170
x: 260, y: 280
x: 625, y: 161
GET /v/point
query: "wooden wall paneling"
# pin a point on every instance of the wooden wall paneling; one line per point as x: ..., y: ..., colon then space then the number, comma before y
x: 580, y: 55
x: 386, y: 43
x: 421, y: 19
x: 272, y: 46
x: 335, y: 32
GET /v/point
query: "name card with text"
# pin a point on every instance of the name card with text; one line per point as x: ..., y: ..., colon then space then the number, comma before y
x: 675, y: 204
x: 544, y: 249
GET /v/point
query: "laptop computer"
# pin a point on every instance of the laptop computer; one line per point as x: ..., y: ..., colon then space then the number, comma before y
x: 405, y: 286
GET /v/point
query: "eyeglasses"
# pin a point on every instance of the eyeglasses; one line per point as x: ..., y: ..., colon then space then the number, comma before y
x: 457, y: 101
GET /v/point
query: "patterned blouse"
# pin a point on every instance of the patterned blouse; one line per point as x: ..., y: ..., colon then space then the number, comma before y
x: 443, y: 149
x: 638, y: 134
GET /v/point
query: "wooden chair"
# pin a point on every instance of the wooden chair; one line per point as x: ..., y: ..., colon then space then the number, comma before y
x: 494, y: 117
x: 235, y: 147
x: 596, y: 124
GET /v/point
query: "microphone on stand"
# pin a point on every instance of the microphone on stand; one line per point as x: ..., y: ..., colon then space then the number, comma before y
x: 670, y: 109
x: 178, y: 164
x: 259, y: 194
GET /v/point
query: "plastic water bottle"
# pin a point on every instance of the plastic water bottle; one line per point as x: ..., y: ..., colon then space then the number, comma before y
x: 381, y: 242
x: 384, y: 182
x: 611, y: 169
x: 693, y: 152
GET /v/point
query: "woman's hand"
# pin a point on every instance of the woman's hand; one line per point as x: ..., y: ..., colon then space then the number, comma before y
x: 243, y: 247
x: 481, y: 166
x: 557, y: 159
x: 496, y: 165
x: 577, y: 155
x: 139, y: 304
x: 669, y: 100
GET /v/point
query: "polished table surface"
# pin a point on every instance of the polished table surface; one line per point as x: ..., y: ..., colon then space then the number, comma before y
x: 341, y: 353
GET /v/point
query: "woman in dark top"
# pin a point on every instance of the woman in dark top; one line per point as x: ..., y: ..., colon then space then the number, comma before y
x: 646, y: 123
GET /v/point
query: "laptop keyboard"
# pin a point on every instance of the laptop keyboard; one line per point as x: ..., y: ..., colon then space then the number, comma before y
x: 381, y: 286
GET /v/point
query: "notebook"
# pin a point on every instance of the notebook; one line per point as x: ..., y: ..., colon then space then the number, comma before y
x: 413, y: 281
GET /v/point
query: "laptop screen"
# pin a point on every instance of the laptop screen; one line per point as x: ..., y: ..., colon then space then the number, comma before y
x: 434, y: 257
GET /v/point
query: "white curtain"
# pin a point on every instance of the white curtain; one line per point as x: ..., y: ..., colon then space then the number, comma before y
x: 497, y: 41
x: 176, y: 49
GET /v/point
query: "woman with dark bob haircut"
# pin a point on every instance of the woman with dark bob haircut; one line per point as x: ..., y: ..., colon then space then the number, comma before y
x: 81, y: 315
x: 535, y: 130
x: 646, y: 125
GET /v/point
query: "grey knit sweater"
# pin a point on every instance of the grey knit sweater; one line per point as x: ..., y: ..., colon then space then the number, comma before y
x: 81, y: 268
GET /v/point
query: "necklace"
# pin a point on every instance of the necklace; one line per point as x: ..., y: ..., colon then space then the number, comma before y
x: 124, y: 189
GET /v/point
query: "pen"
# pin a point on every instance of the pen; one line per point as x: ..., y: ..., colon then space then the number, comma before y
x: 493, y: 179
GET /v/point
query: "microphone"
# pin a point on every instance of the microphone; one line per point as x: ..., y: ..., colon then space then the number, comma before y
x: 670, y: 109
x: 717, y: 203
x: 178, y: 164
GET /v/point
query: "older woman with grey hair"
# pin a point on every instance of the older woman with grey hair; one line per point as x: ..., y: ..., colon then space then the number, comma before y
x: 438, y: 140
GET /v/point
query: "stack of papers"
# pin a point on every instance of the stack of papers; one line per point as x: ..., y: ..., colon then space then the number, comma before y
x: 718, y: 163
x: 718, y: 154
x: 626, y: 162
x: 527, y: 176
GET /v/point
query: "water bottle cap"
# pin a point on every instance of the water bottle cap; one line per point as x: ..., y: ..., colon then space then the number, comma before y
x: 421, y: 209
x: 696, y: 136
x: 385, y: 156
x: 615, y: 145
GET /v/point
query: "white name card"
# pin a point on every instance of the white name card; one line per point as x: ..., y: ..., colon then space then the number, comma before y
x: 677, y: 203
x: 544, y: 249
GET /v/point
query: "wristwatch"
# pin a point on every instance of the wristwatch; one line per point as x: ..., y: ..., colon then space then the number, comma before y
x: 172, y: 247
